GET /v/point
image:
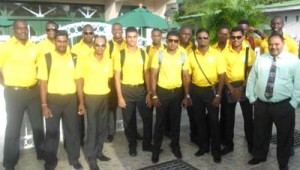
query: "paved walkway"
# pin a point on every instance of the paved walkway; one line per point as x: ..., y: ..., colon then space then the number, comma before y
x: 118, y: 152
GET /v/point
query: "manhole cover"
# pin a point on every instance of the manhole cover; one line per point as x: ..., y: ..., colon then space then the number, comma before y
x: 296, y: 138
x: 171, y: 165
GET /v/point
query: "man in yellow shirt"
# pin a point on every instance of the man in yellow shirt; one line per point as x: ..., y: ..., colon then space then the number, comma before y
x: 85, y: 46
x: 235, y: 81
x: 186, y: 44
x: 168, y: 95
x: 57, y: 77
x: 248, y: 30
x: 156, y: 36
x: 18, y: 57
x: 95, y: 71
x: 208, y: 73
x: 114, y: 46
x: 82, y: 49
x: 47, y: 44
x: 223, y: 39
x: 276, y: 25
x: 132, y: 80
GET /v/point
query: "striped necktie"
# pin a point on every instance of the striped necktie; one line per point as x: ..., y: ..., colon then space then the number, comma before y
x: 271, y: 80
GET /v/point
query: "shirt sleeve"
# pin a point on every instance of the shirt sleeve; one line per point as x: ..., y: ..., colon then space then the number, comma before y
x: 221, y: 66
x: 251, y: 83
x: 154, y: 62
x: 251, y: 57
x: 146, y: 64
x: 42, y: 69
x: 3, y: 54
x: 295, y: 99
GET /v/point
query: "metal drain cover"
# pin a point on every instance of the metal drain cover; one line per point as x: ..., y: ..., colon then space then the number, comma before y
x: 171, y: 165
x: 296, y: 138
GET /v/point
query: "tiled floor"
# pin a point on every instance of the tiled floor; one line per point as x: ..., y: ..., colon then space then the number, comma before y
x: 118, y: 151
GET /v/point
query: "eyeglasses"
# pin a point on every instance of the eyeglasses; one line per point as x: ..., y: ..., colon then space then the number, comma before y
x: 88, y: 33
x: 51, y: 29
x: 100, y: 45
x: 202, y: 38
x: 236, y: 37
x: 173, y: 41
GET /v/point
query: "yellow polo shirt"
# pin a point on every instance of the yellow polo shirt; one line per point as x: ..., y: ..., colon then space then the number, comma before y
x: 290, y: 45
x: 215, y: 46
x: 116, y: 49
x: 235, y: 63
x: 212, y: 64
x: 133, y: 71
x: 96, y: 74
x: 189, y: 48
x: 81, y: 49
x: 45, y: 46
x: 19, y: 63
x: 153, y: 51
x: 62, y: 73
x: 170, y: 71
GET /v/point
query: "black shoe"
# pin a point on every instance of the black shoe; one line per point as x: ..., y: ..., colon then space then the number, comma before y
x: 94, y: 167
x: 255, y: 161
x: 138, y: 136
x: 284, y: 168
x: 226, y: 150
x: 177, y: 153
x: 217, y: 158
x: 155, y: 157
x: 132, y: 152
x: 201, y: 152
x: 50, y: 166
x: 77, y: 166
x: 103, y: 158
x: 110, y: 138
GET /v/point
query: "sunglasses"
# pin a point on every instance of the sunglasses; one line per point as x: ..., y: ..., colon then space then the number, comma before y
x: 236, y: 37
x: 51, y: 29
x: 202, y: 38
x: 173, y: 41
x: 100, y: 45
x: 88, y: 33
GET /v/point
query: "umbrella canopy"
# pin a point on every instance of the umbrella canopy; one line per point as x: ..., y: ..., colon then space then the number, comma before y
x: 141, y: 17
x: 5, y: 22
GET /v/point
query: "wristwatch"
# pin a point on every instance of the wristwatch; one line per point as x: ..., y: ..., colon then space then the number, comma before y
x: 155, y: 97
x: 188, y: 96
x: 218, y: 96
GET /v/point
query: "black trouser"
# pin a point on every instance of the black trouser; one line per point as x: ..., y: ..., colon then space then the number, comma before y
x: 17, y: 102
x: 282, y: 114
x: 193, y: 126
x: 97, y: 113
x: 62, y: 107
x: 113, y: 105
x: 228, y: 118
x: 135, y: 96
x: 170, y: 103
x: 207, y: 122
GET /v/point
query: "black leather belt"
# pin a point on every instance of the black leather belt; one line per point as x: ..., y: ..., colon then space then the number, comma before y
x: 21, y: 88
x: 270, y: 103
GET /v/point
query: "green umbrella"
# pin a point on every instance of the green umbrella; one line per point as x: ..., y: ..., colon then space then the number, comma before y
x: 5, y: 23
x: 141, y: 17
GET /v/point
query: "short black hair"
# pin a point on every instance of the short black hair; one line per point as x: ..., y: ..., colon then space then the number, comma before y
x: 276, y: 34
x: 131, y: 29
x: 116, y: 23
x: 156, y: 29
x: 19, y: 20
x: 87, y: 25
x: 51, y: 22
x: 243, y: 21
x: 173, y: 33
x: 277, y: 17
x: 61, y: 33
x: 237, y: 29
x: 224, y: 27
x: 202, y: 30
